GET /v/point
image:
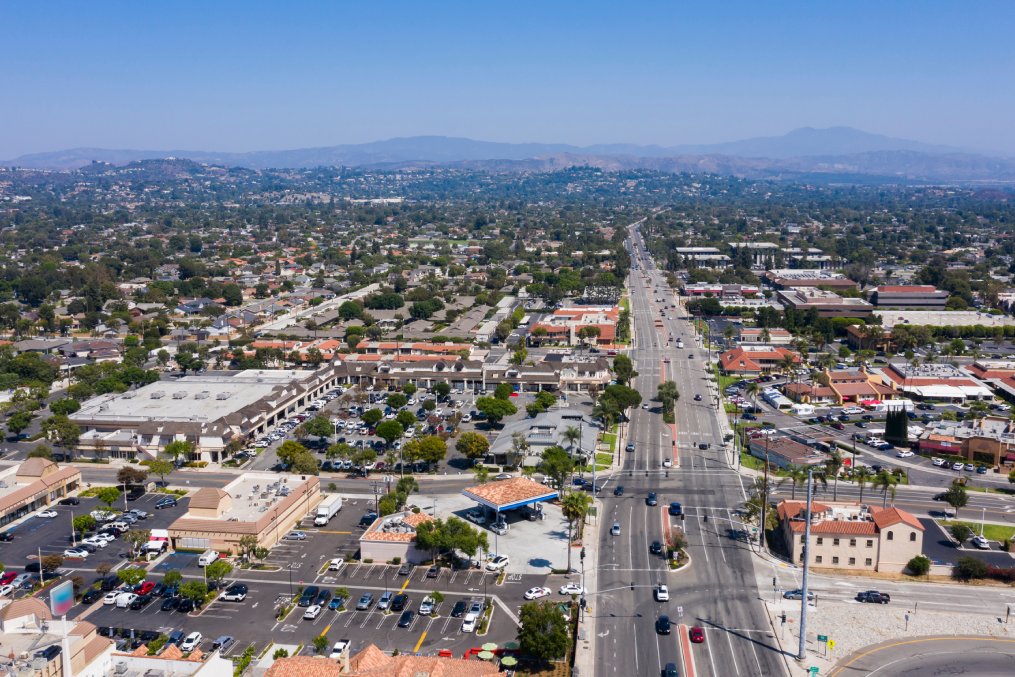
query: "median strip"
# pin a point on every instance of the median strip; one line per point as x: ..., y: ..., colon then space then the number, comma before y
x: 420, y: 642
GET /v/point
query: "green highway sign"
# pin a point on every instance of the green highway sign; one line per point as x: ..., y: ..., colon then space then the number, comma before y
x: 822, y: 638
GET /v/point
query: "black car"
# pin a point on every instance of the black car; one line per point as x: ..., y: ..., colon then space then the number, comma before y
x: 663, y: 625
x: 367, y: 519
x: 433, y: 572
x: 670, y: 670
x: 309, y: 595
x: 873, y: 597
x: 323, y: 597
x: 651, y: 499
x: 141, y: 601
x: 656, y: 548
x: 170, y: 603
x: 399, y: 602
x: 70, y: 500
x: 6, y: 537
x: 171, y: 591
x: 405, y: 620
x: 619, y: 491
x: 459, y: 609
x: 92, y: 596
x: 110, y: 583
x: 167, y: 502
x: 186, y: 605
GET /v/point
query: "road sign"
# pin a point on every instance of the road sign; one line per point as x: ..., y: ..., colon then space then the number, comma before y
x: 831, y: 644
x: 822, y: 638
x: 680, y: 612
x: 813, y: 669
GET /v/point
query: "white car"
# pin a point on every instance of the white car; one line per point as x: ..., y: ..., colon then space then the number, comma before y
x: 905, y: 453
x: 191, y: 641
x: 50, y: 514
x: 111, y: 598
x: 536, y: 593
x: 957, y: 466
x: 426, y: 606
x: 336, y: 564
x: 667, y: 463
x: 981, y: 543
x: 469, y: 624
x: 96, y: 541
x: 312, y: 612
x: 662, y: 593
x: 850, y: 411
x: 124, y: 599
x: 939, y: 462
x: 338, y: 649
x: 6, y: 590
x: 572, y: 589
x: 75, y: 553
x: 498, y: 563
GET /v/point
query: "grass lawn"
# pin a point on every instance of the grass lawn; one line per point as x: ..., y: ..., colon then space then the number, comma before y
x: 994, y: 532
x: 749, y: 461
x: 611, y: 440
x: 724, y: 381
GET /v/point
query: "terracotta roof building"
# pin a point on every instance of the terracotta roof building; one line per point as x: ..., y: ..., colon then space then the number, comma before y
x: 372, y: 662
x: 35, y: 484
x: 754, y: 361
x: 851, y: 536
x: 510, y: 494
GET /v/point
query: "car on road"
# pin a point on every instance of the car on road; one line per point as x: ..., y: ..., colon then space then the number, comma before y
x: 498, y: 563
x: 662, y: 593
x: 656, y: 548
x: 798, y: 594
x: 75, y: 553
x: 615, y: 529
x: 536, y: 593
x: 191, y: 642
x: 697, y: 397
x: 296, y: 536
x: 237, y: 592
x: 667, y: 462
x: 873, y: 597
x: 167, y: 502
x: 651, y: 499
x: 312, y: 612
x: 675, y: 508
x: 663, y: 625
x: 980, y: 542
x: 670, y: 670
x: 629, y: 447
x: 365, y: 602
x: 338, y: 649
x: 572, y: 588
x: 696, y: 635
x: 48, y: 514
x: 618, y: 490
x: 503, y: 476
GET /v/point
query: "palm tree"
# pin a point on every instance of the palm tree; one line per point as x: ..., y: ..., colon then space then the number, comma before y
x: 832, y: 466
x: 862, y: 474
x: 787, y: 364
x: 752, y: 390
x: 796, y: 475
x: 886, y: 481
x: 827, y: 361
x: 571, y: 435
x: 574, y: 506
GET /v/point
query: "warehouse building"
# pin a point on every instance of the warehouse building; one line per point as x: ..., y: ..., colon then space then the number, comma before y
x: 210, y: 410
x: 920, y: 297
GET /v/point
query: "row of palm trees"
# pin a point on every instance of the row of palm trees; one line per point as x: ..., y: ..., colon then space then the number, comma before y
x: 796, y: 477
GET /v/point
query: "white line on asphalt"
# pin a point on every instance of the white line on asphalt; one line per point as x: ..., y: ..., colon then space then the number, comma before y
x: 733, y: 656
x: 711, y: 659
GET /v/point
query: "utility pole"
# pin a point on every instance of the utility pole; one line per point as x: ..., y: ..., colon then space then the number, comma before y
x: 764, y: 503
x: 801, y: 651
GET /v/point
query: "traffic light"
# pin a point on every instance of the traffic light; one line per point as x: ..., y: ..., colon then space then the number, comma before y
x: 583, y: 553
x: 706, y: 517
x: 784, y: 617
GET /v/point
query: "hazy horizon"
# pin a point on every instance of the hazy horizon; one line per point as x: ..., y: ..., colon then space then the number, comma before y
x: 238, y: 77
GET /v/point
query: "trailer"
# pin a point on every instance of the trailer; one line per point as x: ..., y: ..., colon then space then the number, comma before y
x: 327, y: 509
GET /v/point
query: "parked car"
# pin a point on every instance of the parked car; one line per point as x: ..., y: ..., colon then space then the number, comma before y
x: 338, y: 649
x: 399, y: 602
x: 312, y: 612
x: 237, y: 592
x: 459, y: 609
x: 167, y: 502
x: 980, y: 542
x: 191, y: 642
x: 223, y: 642
x: 572, y: 588
x: 426, y: 606
x: 365, y: 602
x: 498, y: 563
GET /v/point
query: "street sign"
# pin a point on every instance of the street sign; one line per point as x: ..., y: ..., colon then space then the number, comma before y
x: 822, y: 638
x: 680, y: 612
x: 813, y: 669
x: 831, y: 644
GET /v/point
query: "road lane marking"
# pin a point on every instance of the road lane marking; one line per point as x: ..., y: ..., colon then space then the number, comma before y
x: 420, y: 642
x: 837, y: 670
x: 733, y: 656
x: 325, y: 631
x: 685, y: 645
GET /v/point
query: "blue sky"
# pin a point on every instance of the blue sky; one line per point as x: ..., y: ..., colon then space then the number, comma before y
x: 234, y: 76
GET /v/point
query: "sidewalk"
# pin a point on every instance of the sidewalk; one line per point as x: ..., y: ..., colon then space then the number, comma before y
x: 585, y: 645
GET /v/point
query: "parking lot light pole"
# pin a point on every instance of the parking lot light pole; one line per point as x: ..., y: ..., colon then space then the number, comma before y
x: 290, y: 581
x: 73, y: 536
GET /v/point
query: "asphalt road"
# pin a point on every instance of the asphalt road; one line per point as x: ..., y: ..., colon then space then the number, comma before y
x: 718, y: 591
x: 979, y: 656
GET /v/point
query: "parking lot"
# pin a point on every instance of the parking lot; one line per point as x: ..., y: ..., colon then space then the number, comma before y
x: 51, y: 536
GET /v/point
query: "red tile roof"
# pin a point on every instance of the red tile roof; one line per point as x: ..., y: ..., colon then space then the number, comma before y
x: 886, y: 517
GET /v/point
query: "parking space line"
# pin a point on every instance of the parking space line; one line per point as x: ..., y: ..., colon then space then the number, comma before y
x: 420, y: 642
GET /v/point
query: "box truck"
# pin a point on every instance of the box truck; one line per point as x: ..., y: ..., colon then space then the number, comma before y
x: 327, y: 509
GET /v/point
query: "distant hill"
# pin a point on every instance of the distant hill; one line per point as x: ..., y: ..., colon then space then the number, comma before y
x: 840, y: 151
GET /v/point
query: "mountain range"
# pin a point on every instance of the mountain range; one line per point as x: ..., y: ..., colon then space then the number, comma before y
x: 836, y: 153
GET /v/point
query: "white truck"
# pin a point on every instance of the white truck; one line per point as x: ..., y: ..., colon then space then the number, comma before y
x: 327, y: 509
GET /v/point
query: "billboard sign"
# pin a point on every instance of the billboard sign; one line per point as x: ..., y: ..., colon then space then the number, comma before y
x: 61, y: 598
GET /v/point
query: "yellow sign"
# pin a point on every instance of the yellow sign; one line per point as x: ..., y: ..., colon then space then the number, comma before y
x: 831, y: 644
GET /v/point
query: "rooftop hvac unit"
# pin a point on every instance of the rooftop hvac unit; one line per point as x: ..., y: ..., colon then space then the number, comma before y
x: 129, y: 395
x: 179, y: 395
x: 157, y: 395
x: 203, y: 395
x: 120, y: 668
x: 222, y: 396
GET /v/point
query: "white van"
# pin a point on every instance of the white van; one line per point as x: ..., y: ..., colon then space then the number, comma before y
x: 207, y: 557
x: 469, y: 623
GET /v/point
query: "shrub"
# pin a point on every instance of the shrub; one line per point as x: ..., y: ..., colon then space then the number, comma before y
x: 968, y: 568
x: 280, y: 653
x: 396, y: 560
x: 919, y: 565
x: 961, y: 532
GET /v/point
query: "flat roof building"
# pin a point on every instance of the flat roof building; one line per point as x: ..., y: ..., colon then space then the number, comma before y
x: 33, y: 485
x: 394, y: 536
x: 825, y: 303
x: 785, y: 278
x: 263, y: 505
x: 925, y: 297
x: 210, y: 410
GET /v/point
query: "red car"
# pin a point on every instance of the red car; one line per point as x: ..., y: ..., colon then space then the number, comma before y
x: 697, y: 635
x: 144, y: 587
x: 8, y: 577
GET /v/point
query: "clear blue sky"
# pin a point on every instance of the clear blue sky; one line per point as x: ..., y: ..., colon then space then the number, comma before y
x: 234, y: 76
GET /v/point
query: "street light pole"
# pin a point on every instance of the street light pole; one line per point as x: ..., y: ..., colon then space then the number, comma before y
x: 802, y: 650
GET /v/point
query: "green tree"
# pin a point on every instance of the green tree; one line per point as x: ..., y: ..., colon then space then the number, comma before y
x: 177, y: 449
x: 432, y: 449
x: 320, y: 643
x: 160, y: 467
x: 172, y: 577
x: 624, y: 396
x: 968, y: 568
x: 623, y: 369
x: 443, y: 389
x: 832, y: 467
x: 862, y: 475
x: 132, y: 575
x: 319, y: 426
x: 558, y: 465
x: 543, y: 631
x: 83, y: 523
x: 372, y: 416
x: 195, y: 590
x: 130, y: 475
x: 108, y: 496
x: 65, y: 406
x: 961, y: 532
x: 62, y: 431
x: 495, y: 409
x: 472, y: 445
x: 957, y: 497
x: 396, y: 400
x: 886, y: 481
x: 289, y: 450
x: 389, y: 431
x: 406, y: 419
x: 41, y: 451
x: 18, y: 421
x: 218, y: 570
x: 919, y: 565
